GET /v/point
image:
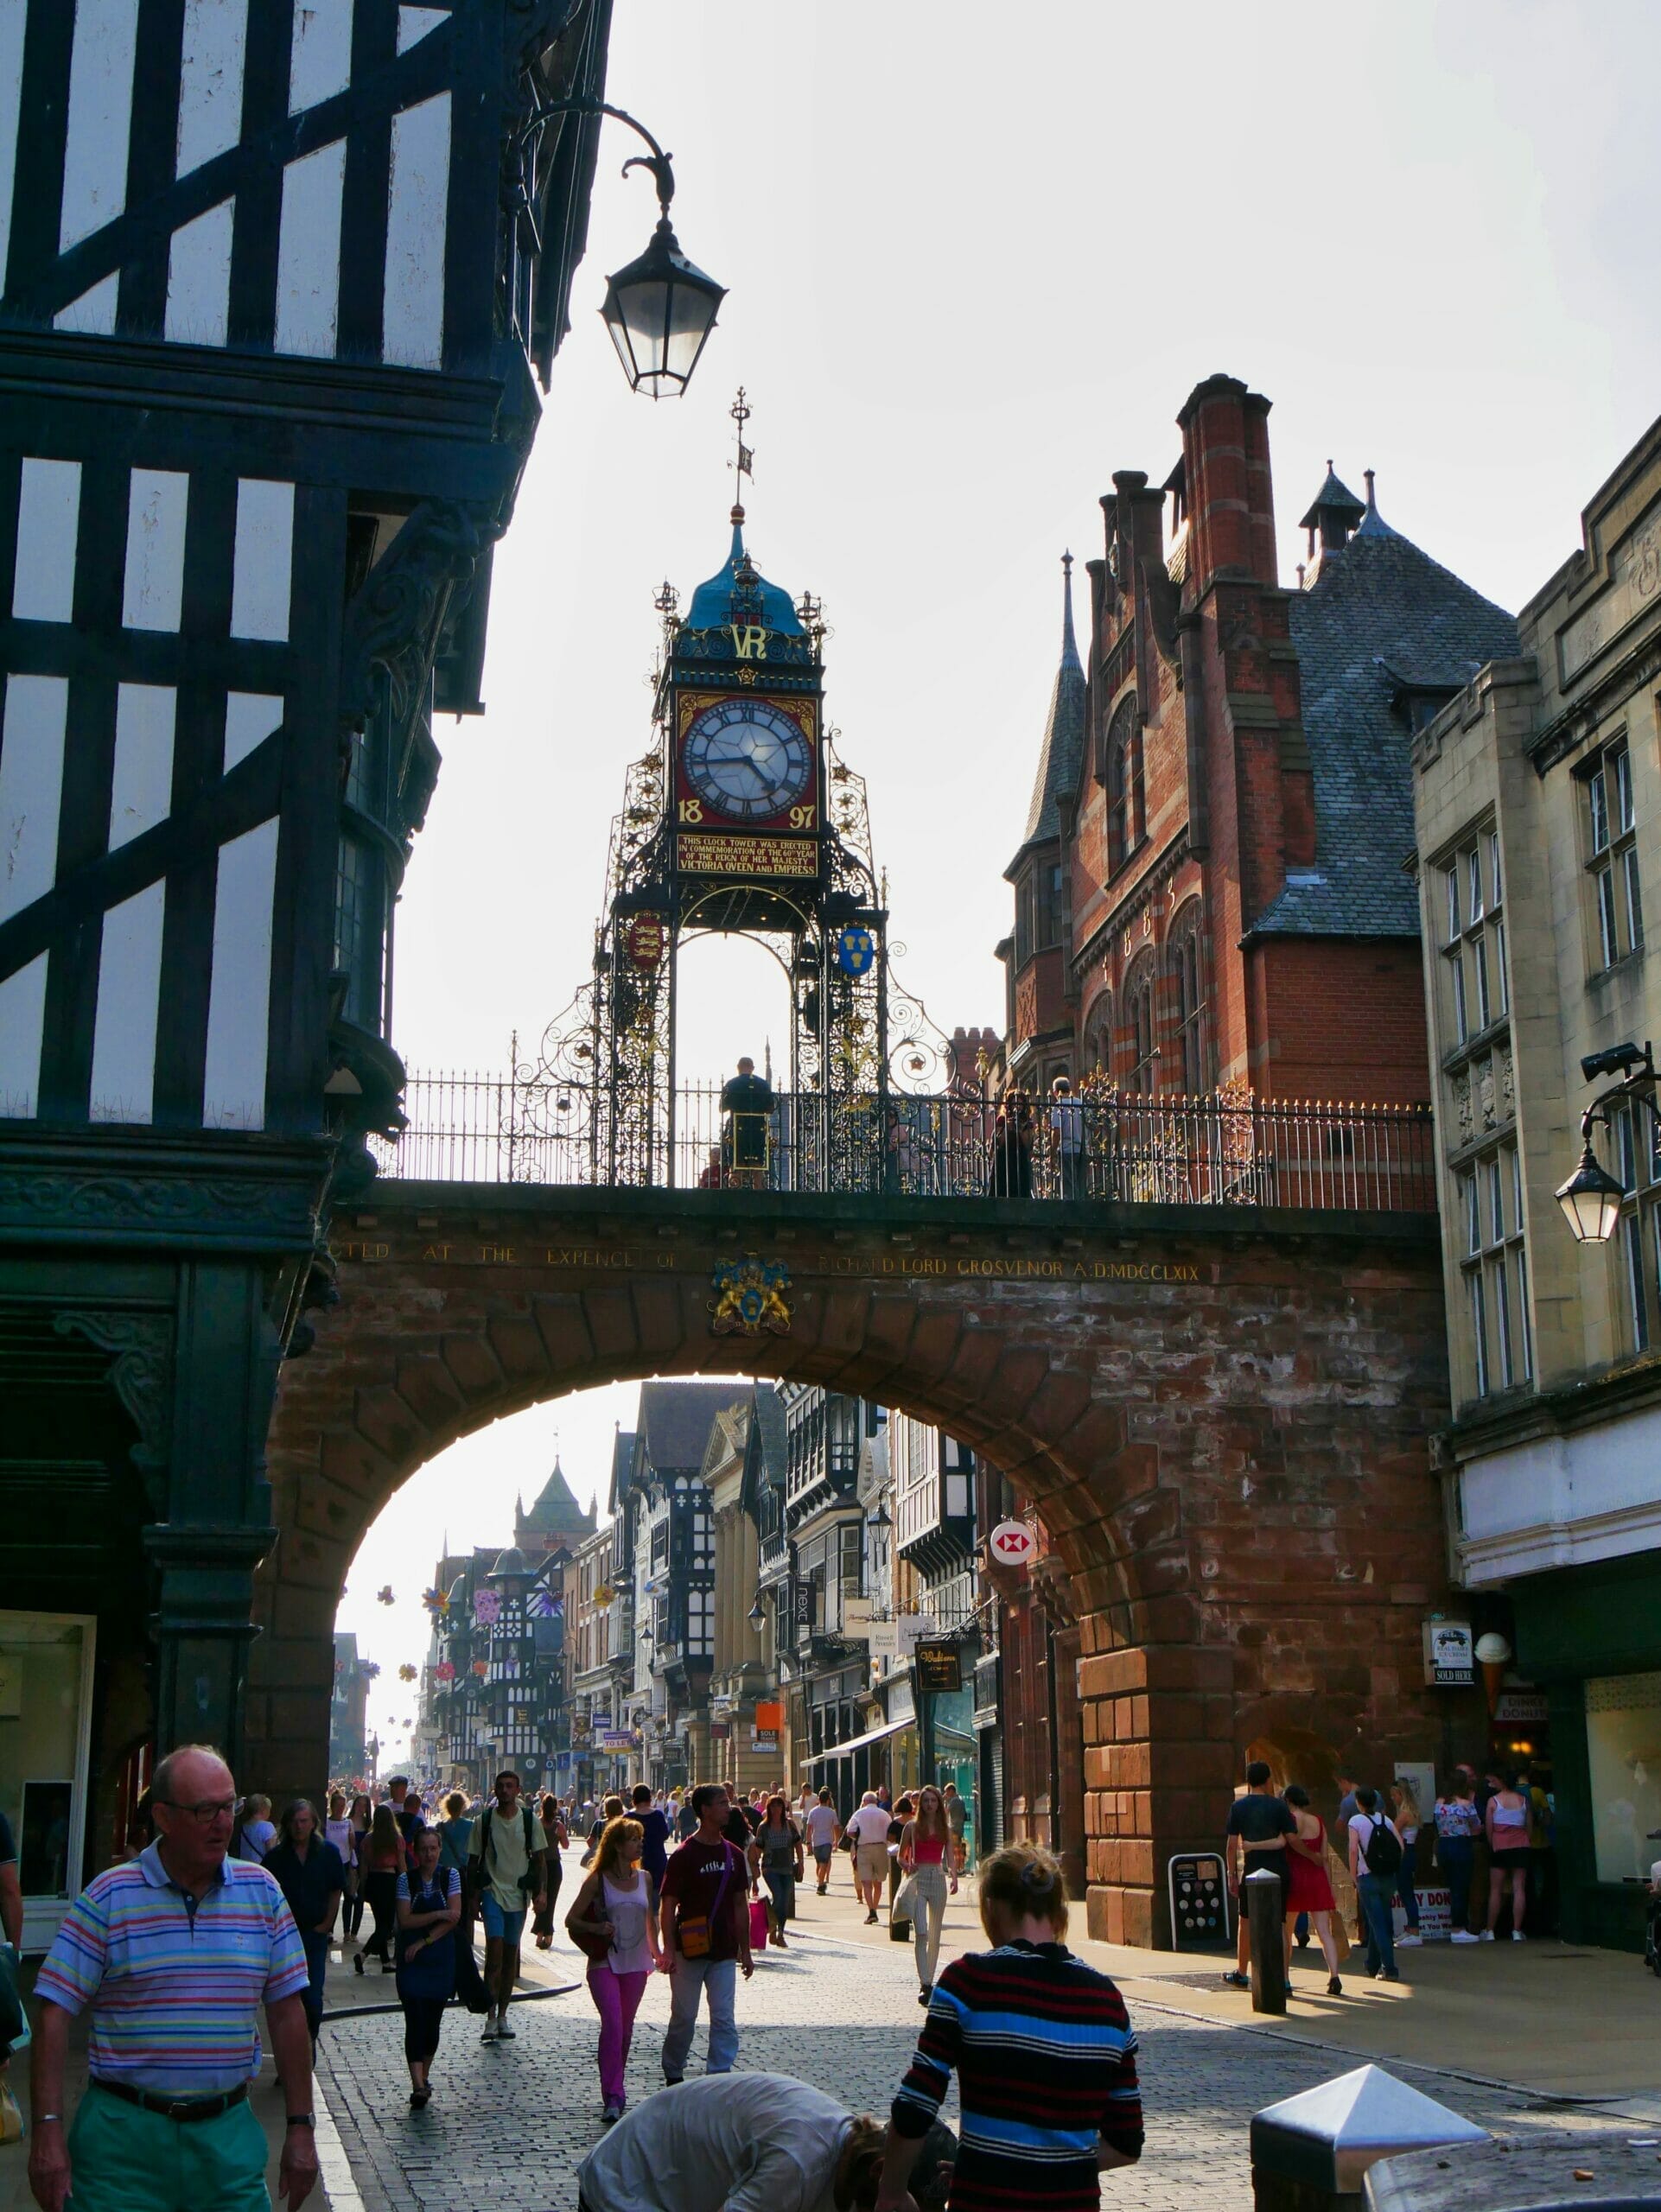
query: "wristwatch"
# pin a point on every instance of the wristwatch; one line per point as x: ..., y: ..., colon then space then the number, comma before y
x: 303, y: 2119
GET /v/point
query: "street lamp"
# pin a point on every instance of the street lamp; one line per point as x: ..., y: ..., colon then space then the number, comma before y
x: 661, y: 308
x: 1591, y: 1199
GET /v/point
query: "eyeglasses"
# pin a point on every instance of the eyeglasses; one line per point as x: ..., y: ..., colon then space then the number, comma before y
x: 211, y: 1808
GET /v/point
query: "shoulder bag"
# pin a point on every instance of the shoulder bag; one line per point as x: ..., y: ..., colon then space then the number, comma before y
x: 695, y: 1936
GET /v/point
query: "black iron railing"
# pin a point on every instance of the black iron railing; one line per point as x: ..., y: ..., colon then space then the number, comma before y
x: 1132, y: 1150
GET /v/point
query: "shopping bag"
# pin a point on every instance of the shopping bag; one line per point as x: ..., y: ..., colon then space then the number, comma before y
x: 905, y: 1900
x: 758, y: 1925
x: 12, y: 2118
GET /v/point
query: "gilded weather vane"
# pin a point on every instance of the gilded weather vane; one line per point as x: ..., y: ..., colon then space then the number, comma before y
x: 745, y: 464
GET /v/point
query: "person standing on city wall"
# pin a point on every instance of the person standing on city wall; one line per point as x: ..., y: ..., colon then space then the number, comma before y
x: 1255, y: 1842
x: 615, y: 1921
x: 706, y: 1936
x: 172, y: 1955
x: 429, y: 1910
x: 507, y: 1872
x: 1043, y: 2053
x: 307, y: 1869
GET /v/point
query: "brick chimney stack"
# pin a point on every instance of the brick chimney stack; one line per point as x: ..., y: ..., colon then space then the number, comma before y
x: 1231, y: 498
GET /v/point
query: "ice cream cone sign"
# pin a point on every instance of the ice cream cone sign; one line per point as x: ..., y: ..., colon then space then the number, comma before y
x: 1493, y: 1655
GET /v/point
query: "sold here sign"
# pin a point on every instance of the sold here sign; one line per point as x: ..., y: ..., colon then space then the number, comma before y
x: 1012, y: 1543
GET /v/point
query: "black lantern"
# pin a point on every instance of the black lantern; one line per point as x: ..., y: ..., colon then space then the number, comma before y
x: 1591, y: 1200
x: 661, y: 308
x: 660, y: 311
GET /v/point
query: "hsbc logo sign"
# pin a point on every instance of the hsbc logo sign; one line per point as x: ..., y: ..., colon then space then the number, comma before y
x: 1012, y: 1543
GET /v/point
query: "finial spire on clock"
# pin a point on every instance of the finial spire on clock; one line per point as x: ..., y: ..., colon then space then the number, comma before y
x: 745, y: 464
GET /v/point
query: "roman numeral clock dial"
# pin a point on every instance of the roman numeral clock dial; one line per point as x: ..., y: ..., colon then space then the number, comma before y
x: 747, y: 760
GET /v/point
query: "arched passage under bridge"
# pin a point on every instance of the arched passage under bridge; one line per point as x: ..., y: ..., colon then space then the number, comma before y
x: 1222, y: 1415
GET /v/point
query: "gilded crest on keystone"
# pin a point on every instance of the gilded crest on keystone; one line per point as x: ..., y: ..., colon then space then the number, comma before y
x: 749, y: 1298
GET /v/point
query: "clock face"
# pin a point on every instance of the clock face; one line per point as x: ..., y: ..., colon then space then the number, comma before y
x: 747, y: 759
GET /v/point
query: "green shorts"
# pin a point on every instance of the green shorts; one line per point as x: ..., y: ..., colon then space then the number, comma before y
x: 124, y: 2160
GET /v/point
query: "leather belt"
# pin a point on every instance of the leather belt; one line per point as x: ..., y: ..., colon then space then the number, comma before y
x: 172, y: 2107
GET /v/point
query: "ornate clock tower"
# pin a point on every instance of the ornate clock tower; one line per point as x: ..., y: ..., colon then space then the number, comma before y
x: 741, y: 820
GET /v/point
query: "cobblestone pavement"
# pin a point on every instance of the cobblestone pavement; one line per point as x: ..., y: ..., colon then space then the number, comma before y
x: 508, y: 2122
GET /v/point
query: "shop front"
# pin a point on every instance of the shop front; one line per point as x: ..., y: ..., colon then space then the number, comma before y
x: 46, y: 1710
x: 1591, y: 1637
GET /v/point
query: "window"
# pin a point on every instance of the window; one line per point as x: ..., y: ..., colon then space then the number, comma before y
x: 1622, y: 1714
x: 1477, y: 990
x: 360, y: 929
x: 1126, y: 805
x: 1139, y: 1021
x: 1188, y: 970
x: 1635, y: 1150
x: 1098, y: 1037
x: 1493, y: 1261
x: 1612, y: 861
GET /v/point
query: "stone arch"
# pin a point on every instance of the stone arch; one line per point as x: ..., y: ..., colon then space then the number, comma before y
x: 1128, y: 1376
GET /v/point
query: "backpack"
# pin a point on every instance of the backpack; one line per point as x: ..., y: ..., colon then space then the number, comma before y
x: 528, y: 1880
x: 1382, y: 1854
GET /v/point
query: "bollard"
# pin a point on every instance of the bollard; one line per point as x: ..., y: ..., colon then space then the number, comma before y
x: 1593, y: 2173
x: 1312, y: 2153
x: 1261, y: 1898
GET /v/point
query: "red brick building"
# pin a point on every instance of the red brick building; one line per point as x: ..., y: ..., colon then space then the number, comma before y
x: 1211, y: 885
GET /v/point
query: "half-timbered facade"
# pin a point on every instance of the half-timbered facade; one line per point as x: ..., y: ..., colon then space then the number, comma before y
x: 279, y: 280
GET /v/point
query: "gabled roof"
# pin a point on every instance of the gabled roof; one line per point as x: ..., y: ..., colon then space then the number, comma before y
x: 1062, y: 755
x: 1378, y: 611
x: 674, y: 1421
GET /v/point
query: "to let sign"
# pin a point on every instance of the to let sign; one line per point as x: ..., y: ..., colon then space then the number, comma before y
x: 938, y: 1666
x: 1012, y: 1543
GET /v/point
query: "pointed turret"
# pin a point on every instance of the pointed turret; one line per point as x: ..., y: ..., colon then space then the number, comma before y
x: 1061, y: 753
x: 1334, y: 512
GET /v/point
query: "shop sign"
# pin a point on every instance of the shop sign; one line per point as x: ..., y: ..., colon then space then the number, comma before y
x: 939, y: 1667
x: 614, y: 1739
x: 884, y: 1639
x: 720, y: 1732
x: 913, y: 1628
x: 769, y: 1715
x: 856, y: 1617
x: 764, y: 1739
x: 1012, y: 1543
x: 1449, y: 1653
x: 1523, y: 1708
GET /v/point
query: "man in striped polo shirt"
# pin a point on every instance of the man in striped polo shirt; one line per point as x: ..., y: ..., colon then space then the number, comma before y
x: 174, y: 1956
x: 1044, y: 2054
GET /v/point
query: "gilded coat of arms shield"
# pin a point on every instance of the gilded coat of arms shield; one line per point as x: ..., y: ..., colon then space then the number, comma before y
x: 749, y: 1298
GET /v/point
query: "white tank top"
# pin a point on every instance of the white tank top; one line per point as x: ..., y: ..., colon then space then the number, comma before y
x: 625, y: 1909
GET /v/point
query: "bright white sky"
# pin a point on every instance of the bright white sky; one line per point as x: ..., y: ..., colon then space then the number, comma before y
x: 978, y: 259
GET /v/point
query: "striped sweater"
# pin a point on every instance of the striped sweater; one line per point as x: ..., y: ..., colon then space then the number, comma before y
x: 1046, y: 2061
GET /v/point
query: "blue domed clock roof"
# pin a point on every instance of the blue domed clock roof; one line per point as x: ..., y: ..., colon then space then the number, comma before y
x: 712, y: 602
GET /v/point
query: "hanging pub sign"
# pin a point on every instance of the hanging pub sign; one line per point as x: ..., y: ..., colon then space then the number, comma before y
x: 1449, y: 1653
x: 644, y: 940
x: 938, y: 1666
x: 1012, y: 1543
x: 854, y: 950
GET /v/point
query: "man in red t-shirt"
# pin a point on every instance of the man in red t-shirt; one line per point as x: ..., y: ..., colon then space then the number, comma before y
x: 706, y: 1934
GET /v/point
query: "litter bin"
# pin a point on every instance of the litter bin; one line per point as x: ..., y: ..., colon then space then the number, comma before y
x: 1312, y: 2153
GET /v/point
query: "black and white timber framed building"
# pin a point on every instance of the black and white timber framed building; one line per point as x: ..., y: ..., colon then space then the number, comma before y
x: 278, y: 288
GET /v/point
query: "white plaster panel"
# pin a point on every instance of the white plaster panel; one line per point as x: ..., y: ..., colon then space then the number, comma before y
x: 100, y: 109
x: 199, y: 278
x: 22, y: 1025
x: 210, y: 81
x: 320, y: 57
x: 31, y: 787
x: 238, y: 1007
x: 129, y: 998
x: 49, y: 521
x: 1562, y: 1500
x: 264, y: 556
x: 250, y: 718
x: 93, y: 316
x: 413, y: 304
x: 155, y: 589
x: 414, y: 23
x: 309, y: 253
x: 140, y: 786
x: 13, y: 16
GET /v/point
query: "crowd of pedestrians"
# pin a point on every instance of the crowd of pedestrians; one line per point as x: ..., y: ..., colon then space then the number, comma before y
x: 1388, y: 1848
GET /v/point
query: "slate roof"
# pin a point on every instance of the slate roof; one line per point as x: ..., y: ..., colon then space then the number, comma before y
x: 1379, y: 613
x: 555, y: 1512
x: 675, y: 1420
x: 1061, y: 757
